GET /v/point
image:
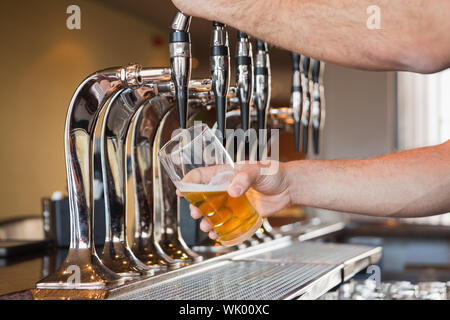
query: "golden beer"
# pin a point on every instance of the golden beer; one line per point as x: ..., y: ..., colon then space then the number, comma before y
x: 233, y: 219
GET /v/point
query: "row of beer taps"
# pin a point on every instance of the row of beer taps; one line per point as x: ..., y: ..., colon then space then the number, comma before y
x: 143, y: 106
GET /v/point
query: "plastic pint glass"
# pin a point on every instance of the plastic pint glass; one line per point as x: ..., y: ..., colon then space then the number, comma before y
x: 202, y: 171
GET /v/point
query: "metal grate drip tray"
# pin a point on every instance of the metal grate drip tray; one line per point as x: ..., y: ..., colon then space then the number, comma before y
x: 283, y: 270
x: 237, y: 280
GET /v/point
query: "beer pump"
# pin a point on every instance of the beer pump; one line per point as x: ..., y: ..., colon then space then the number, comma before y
x: 317, y: 110
x: 181, y: 63
x: 306, y: 112
x: 296, y: 97
x: 244, y: 77
x: 262, y: 84
x: 220, y: 74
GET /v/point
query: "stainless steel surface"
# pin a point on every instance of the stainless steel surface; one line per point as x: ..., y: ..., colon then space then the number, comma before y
x: 84, y: 109
x: 266, y: 271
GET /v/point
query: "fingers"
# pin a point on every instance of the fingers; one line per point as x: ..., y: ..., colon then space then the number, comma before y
x: 243, y: 180
x: 195, y: 212
x: 179, y: 194
x: 205, y: 225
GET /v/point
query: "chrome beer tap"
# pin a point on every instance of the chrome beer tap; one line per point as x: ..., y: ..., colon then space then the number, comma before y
x: 296, y: 97
x: 84, y: 109
x: 317, y: 107
x: 262, y: 91
x: 244, y: 77
x: 181, y: 63
x: 157, y: 238
x: 220, y: 74
x: 306, y: 112
x: 116, y: 254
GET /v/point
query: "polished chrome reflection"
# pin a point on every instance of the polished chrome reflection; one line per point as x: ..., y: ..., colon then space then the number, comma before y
x: 144, y: 129
x: 116, y: 254
x: 166, y: 203
x: 82, y: 268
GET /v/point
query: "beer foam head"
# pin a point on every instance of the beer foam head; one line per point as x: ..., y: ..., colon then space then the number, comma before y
x: 193, y: 187
x: 219, y: 182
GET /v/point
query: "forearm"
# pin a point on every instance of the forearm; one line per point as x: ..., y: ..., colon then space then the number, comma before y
x: 407, y: 184
x: 413, y: 36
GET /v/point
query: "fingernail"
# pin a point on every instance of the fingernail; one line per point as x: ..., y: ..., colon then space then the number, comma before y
x: 236, y: 191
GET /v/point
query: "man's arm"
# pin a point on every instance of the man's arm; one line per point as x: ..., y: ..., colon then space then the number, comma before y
x: 407, y: 184
x: 414, y: 34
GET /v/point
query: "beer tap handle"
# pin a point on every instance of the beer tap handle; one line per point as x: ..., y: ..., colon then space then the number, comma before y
x: 316, y: 107
x: 220, y: 73
x: 306, y: 112
x: 296, y: 97
x: 244, y: 77
x: 180, y: 61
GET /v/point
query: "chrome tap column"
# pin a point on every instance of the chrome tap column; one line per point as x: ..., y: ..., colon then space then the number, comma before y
x: 82, y: 268
x: 116, y: 254
x: 157, y: 238
x: 296, y: 97
x: 220, y: 74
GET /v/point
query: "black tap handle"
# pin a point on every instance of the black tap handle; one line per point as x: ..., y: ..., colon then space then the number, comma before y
x: 305, y: 139
x: 295, y: 61
x: 316, y: 70
x: 306, y: 65
x: 296, y: 87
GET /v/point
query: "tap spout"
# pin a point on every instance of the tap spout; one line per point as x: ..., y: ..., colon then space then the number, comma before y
x: 220, y: 73
x: 181, y: 63
x: 317, y: 108
x: 296, y: 97
x: 306, y: 112
x: 262, y: 92
x: 244, y: 77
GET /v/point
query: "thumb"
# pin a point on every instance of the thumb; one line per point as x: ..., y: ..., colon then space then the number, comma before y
x: 244, y: 179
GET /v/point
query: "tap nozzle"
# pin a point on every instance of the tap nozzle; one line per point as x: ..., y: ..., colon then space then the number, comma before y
x: 244, y: 77
x: 296, y: 97
x: 181, y: 62
x: 262, y: 83
x: 220, y: 73
x: 306, y: 112
x: 316, y: 107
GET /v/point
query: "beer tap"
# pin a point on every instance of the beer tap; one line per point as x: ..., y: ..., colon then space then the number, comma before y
x: 244, y: 77
x: 181, y: 63
x: 84, y: 110
x: 317, y: 110
x: 262, y: 90
x: 296, y: 97
x: 306, y: 112
x: 220, y: 74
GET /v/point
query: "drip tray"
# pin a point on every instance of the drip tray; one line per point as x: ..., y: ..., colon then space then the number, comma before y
x: 281, y: 269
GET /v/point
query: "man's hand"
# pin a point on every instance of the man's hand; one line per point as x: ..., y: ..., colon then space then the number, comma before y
x: 267, y: 193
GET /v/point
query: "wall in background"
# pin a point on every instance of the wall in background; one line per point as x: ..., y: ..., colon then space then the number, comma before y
x: 42, y: 63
